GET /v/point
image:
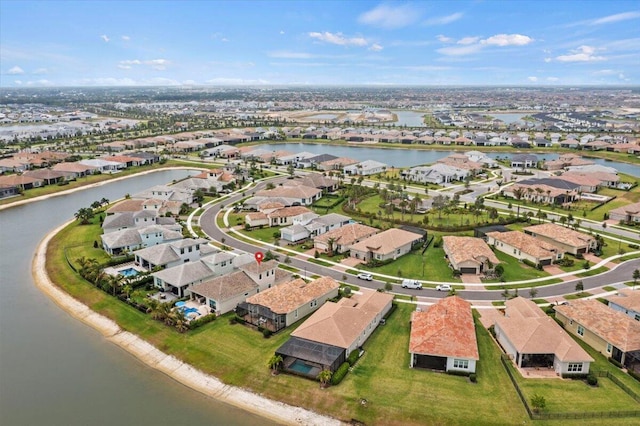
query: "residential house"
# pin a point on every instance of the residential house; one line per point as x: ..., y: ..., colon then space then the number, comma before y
x: 130, y: 239
x: 317, y: 180
x: 628, y: 213
x: 532, y: 339
x: 389, y: 244
x: 298, y: 194
x: 283, y: 305
x: 569, y: 240
x: 437, y: 174
x: 74, y: 170
x: 443, y: 337
x: 310, y: 226
x: 336, y: 164
x: 365, y: 168
x: 341, y: 239
x: 125, y: 220
x: 329, y: 335
x: 48, y: 176
x: 7, y: 191
x: 103, y: 166
x: 21, y: 182
x: 626, y: 301
x: 610, y: 332
x: 222, y: 294
x: 173, y: 253
x: 524, y: 161
x: 523, y: 246
x: 469, y: 255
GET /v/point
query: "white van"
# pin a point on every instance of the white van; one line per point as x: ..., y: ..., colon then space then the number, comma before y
x: 407, y: 283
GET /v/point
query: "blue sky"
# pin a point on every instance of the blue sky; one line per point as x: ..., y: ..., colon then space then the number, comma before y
x: 128, y: 43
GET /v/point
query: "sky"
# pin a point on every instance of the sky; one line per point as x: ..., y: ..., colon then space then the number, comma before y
x: 394, y: 43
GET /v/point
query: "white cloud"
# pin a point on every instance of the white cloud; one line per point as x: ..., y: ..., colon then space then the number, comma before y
x: 224, y: 39
x: 468, y: 40
x: 15, y: 71
x: 281, y: 32
x: 388, y: 16
x: 547, y: 60
x: 532, y: 79
x: 156, y: 64
x: 508, y: 40
x: 460, y: 50
x: 126, y: 38
x: 338, y: 38
x: 617, y: 18
x: 105, y: 38
x: 444, y: 39
x: 581, y: 54
x: 443, y: 20
x: 40, y: 71
x: 376, y: 47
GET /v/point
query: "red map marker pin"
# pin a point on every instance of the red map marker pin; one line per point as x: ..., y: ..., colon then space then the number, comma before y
x: 259, y: 256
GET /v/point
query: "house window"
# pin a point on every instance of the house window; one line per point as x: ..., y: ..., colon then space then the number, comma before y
x: 212, y: 304
x: 296, y: 313
x: 581, y: 330
x: 609, y: 347
x: 637, y: 317
x: 574, y: 367
x: 461, y: 363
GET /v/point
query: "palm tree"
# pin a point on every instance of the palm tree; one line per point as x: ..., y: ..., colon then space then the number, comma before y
x: 518, y: 193
x: 330, y: 243
x: 274, y: 363
x: 181, y: 323
x: 636, y: 277
x: 84, y: 215
x: 325, y: 377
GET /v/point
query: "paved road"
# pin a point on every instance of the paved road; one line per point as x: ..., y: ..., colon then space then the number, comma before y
x: 208, y: 224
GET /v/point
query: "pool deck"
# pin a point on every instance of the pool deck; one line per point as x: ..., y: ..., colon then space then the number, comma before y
x: 114, y: 270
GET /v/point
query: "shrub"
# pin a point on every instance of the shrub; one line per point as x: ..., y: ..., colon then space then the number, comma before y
x: 202, y: 321
x: 592, y: 380
x: 353, y: 357
x: 458, y: 373
x: 340, y: 373
x: 634, y: 375
x: 473, y: 377
x: 586, y: 265
x: 633, y: 246
x: 266, y: 333
x: 492, y: 330
x: 538, y: 402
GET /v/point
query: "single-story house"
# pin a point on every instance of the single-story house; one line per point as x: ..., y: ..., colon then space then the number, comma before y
x: 524, y: 161
x: 626, y: 301
x: 283, y: 305
x: 341, y: 239
x: 443, y: 337
x: 389, y: 244
x: 522, y: 246
x: 21, y: 181
x: 532, y: 339
x: 7, y: 191
x: 329, y: 335
x: 365, y: 168
x: 103, y: 166
x: 316, y: 180
x: 628, y: 213
x: 469, y: 255
x: 610, y: 332
x: 312, y: 225
x: 303, y: 195
x: 569, y: 240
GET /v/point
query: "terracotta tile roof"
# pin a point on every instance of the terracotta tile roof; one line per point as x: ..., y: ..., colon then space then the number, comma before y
x: 289, y: 296
x: 580, y: 179
x: 14, y: 180
x: 628, y: 299
x: 131, y: 205
x: 341, y: 161
x: 560, y: 234
x: 290, y: 211
x: 255, y: 216
x: 526, y: 243
x: 347, y: 234
x: 463, y: 249
x: 340, y: 324
x: 256, y: 268
x: 445, y: 329
x: 298, y: 191
x: 532, y: 332
x: 633, y: 209
x: 615, y: 327
x: 386, y: 241
x: 72, y: 167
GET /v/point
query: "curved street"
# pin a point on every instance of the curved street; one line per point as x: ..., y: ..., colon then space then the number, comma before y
x: 615, y: 276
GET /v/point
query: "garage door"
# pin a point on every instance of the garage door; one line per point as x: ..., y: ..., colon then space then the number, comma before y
x: 468, y: 270
x: 545, y: 262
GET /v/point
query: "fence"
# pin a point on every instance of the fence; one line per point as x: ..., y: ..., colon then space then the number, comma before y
x: 579, y: 414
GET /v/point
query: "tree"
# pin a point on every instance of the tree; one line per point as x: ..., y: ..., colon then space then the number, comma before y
x: 499, y: 270
x: 439, y: 203
x: 533, y: 292
x: 84, y: 215
x: 325, y: 377
x: 579, y: 286
x: 506, y: 294
x: 274, y: 363
x: 538, y: 402
x: 330, y: 242
x: 636, y: 277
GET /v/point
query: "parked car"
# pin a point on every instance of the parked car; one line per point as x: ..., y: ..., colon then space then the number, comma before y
x: 407, y: 283
x: 365, y: 276
x: 443, y: 287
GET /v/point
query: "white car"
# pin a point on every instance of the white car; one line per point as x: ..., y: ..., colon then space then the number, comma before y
x: 365, y: 276
x: 411, y: 284
x: 443, y: 287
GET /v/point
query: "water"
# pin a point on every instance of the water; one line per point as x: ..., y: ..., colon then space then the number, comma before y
x: 317, y: 117
x: 414, y: 157
x: 54, y: 370
x: 129, y: 272
x: 409, y: 118
x: 506, y: 117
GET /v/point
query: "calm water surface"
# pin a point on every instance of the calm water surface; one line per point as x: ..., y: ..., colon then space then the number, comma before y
x: 415, y: 157
x: 55, y: 370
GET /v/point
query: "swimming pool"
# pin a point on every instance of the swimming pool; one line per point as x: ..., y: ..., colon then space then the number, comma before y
x: 180, y: 304
x: 301, y: 367
x: 129, y: 272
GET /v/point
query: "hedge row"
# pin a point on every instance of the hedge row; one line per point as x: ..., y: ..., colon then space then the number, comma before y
x: 342, y: 371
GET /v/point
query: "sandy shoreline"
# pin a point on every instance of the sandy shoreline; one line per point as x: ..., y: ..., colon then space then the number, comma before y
x: 153, y: 357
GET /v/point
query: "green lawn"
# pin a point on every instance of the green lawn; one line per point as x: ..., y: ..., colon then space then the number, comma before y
x: 411, y: 266
x: 514, y: 270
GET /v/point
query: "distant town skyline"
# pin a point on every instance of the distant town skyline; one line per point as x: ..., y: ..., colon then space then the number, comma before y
x: 225, y: 43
